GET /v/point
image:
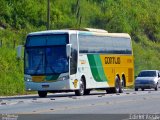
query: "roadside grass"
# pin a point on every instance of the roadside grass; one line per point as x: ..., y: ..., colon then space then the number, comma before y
x: 146, y: 57
x: 11, y: 69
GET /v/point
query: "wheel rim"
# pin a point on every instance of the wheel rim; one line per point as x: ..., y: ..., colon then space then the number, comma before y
x: 122, y: 84
x: 117, y: 87
x: 82, y: 88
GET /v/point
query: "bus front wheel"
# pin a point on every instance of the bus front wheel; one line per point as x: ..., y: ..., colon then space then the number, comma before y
x: 81, y: 89
x: 42, y: 94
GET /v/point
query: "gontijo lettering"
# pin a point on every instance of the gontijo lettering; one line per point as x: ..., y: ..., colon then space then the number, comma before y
x: 112, y: 60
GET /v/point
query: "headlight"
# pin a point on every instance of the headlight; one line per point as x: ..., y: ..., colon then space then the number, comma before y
x: 63, y: 78
x: 152, y: 82
x: 27, y: 79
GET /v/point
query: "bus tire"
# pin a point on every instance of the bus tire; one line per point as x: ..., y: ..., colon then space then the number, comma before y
x: 81, y: 89
x: 117, y: 85
x: 42, y: 94
x: 122, y: 85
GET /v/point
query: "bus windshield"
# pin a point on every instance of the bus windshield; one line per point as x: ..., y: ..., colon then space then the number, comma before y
x: 44, y: 58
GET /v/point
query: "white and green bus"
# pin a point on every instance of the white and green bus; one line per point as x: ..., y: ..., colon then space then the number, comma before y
x: 77, y: 61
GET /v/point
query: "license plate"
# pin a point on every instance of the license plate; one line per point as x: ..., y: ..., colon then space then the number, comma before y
x: 45, y: 86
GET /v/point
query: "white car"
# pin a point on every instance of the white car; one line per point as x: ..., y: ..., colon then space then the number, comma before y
x: 148, y: 79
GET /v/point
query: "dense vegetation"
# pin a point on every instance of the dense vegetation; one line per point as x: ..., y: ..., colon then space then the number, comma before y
x: 139, y: 18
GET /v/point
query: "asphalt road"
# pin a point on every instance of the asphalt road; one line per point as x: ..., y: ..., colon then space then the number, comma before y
x: 129, y: 102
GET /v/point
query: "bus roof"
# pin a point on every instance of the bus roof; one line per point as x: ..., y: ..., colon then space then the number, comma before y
x: 51, y: 32
x: 82, y: 31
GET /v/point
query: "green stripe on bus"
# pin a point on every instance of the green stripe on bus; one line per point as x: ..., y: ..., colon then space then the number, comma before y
x: 96, y: 68
x: 100, y: 68
x: 93, y: 67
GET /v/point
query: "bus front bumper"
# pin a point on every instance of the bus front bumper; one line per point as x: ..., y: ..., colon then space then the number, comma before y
x: 47, y: 86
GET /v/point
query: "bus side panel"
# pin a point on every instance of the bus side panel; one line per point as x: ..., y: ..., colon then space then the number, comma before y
x: 118, y: 65
x: 91, y: 67
x: 100, y: 70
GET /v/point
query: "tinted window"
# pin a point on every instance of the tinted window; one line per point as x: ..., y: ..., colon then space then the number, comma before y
x: 104, y: 44
x: 73, y: 60
x: 47, y: 40
x: 46, y: 60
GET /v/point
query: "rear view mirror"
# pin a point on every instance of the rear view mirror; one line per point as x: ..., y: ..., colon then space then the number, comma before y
x: 19, y: 51
x: 68, y: 50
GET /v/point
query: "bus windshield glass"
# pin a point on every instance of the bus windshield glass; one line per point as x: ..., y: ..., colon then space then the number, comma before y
x: 46, y: 55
